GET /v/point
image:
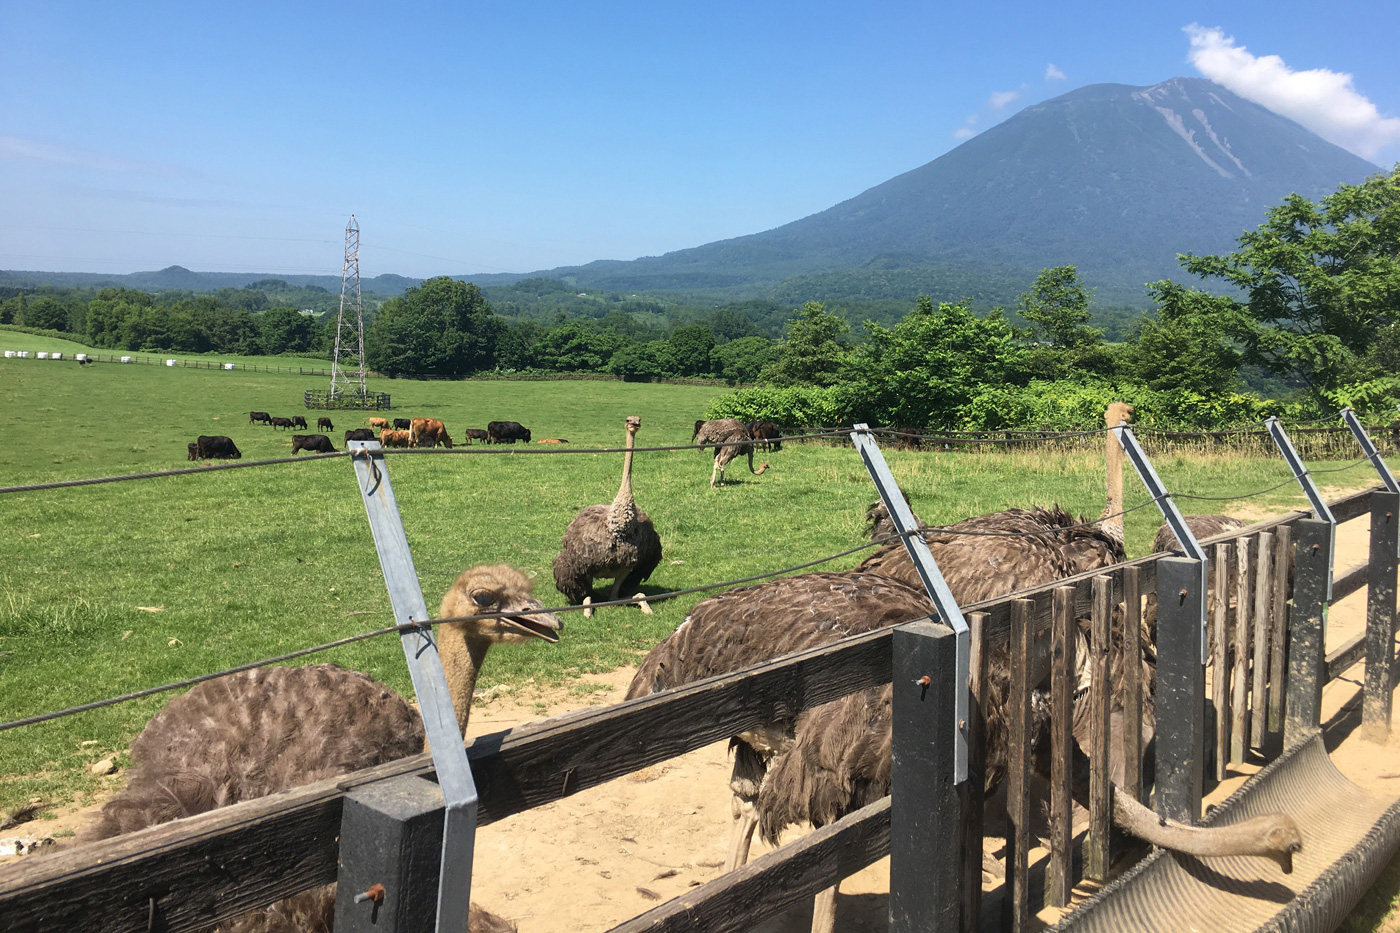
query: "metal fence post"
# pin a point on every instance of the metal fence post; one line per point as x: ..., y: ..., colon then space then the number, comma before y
x: 1181, y: 690
x: 1380, y: 616
x: 1307, y: 635
x: 926, y: 807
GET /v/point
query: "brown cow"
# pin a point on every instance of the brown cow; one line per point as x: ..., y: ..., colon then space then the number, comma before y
x: 379, y: 423
x: 428, y: 432
x: 325, y: 423
x: 391, y: 438
x: 552, y: 440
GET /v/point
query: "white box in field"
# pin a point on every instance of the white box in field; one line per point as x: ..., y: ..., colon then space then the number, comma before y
x: 24, y: 354
x: 80, y: 357
x: 55, y: 356
x: 170, y: 362
x: 43, y: 355
x: 228, y: 366
x: 9, y: 354
x: 126, y: 359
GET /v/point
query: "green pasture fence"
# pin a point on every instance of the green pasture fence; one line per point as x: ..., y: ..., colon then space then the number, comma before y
x: 324, y: 398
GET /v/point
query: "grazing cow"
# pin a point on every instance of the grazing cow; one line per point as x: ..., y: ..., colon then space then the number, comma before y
x: 315, y: 443
x: 403, y: 424
x: 428, y: 432
x: 298, y: 421
x: 216, y: 447
x: 552, y: 440
x: 507, y: 432
x: 194, y: 451
x: 477, y: 434
x: 391, y: 438
x: 282, y: 423
x: 324, y: 422
x: 379, y: 424
x: 256, y: 416
x: 766, y: 434
x: 359, y: 434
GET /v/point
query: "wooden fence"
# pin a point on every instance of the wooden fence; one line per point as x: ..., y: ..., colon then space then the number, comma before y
x: 191, y: 873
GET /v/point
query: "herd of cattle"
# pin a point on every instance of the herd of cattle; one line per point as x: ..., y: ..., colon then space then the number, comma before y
x: 401, y: 432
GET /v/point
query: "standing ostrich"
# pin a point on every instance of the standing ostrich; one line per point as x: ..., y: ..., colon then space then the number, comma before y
x: 251, y: 734
x: 729, y: 438
x: 617, y: 541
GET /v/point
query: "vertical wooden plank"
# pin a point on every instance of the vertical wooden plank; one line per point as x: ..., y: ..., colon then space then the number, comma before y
x: 1239, y: 701
x: 1380, y: 618
x: 1132, y: 684
x: 1096, y: 849
x: 925, y: 807
x: 1059, y: 881
x: 971, y: 849
x: 1180, y: 689
x: 1278, y: 669
x: 1307, y: 631
x: 1016, y: 906
x: 1220, y: 657
x: 1263, y: 592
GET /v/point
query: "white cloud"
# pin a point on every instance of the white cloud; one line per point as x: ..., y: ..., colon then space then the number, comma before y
x: 1054, y: 74
x: 1000, y: 99
x: 963, y: 132
x: 1324, y: 101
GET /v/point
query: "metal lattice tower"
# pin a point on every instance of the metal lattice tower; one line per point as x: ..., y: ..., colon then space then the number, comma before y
x: 348, y: 364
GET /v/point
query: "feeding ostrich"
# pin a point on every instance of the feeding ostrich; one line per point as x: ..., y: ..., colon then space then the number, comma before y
x: 251, y: 734
x: 729, y: 438
x: 616, y: 541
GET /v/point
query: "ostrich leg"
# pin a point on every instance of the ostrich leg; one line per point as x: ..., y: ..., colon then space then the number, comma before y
x: 717, y: 472
x: 745, y: 822
x: 750, y: 768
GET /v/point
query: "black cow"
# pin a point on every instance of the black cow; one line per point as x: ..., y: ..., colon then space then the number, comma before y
x: 766, y: 433
x: 216, y: 447
x: 359, y: 434
x: 298, y: 421
x: 507, y: 432
x: 324, y: 422
x: 403, y: 424
x: 282, y: 423
x: 476, y: 434
x: 316, y: 443
x: 256, y: 416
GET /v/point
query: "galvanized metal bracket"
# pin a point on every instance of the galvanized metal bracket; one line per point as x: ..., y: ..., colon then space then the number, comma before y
x: 1170, y: 512
x: 1321, y: 510
x: 454, y: 773
x: 933, y: 581
x: 1367, y: 445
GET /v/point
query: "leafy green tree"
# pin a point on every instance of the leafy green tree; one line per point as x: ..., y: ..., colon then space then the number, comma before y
x: 639, y: 361
x: 1187, y: 346
x: 108, y: 311
x: 743, y: 359
x: 1319, y: 282
x: 45, y: 313
x: 813, y: 351
x: 574, y: 348
x: 1057, y: 307
x: 285, y: 330
x: 441, y: 327
x: 926, y: 369
x: 690, y: 349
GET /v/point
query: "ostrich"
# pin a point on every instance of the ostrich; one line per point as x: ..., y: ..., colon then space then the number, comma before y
x: 617, y: 541
x: 835, y: 758
x: 250, y: 734
x: 729, y: 438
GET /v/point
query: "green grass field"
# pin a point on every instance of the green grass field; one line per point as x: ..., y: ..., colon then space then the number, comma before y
x: 110, y: 588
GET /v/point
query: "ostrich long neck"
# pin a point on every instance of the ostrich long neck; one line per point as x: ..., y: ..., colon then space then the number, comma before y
x: 1112, y: 518
x: 461, y: 662
x: 622, y: 515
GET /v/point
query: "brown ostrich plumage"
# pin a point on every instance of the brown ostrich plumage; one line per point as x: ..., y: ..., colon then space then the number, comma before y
x: 617, y: 542
x: 1202, y: 526
x: 255, y: 733
x: 730, y: 438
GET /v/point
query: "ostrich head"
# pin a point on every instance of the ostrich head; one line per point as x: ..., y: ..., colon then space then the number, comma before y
x: 497, y: 588
x: 463, y: 645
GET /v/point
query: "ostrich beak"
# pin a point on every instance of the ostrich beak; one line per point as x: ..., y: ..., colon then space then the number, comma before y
x: 544, y: 625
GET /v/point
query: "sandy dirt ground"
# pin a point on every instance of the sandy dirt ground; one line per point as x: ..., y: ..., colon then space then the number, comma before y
x: 603, y: 855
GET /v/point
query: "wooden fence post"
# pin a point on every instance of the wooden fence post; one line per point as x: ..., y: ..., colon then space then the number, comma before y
x: 926, y: 807
x: 1016, y: 901
x: 390, y: 836
x: 1181, y: 690
x: 1307, y: 629
x: 1380, y: 617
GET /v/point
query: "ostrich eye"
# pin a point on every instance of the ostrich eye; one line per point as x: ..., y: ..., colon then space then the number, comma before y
x: 484, y: 599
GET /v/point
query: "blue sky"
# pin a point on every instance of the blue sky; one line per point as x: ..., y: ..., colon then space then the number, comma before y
x: 513, y: 137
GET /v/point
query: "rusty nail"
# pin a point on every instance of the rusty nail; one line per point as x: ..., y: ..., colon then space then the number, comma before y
x: 962, y: 725
x: 1315, y: 548
x: 375, y: 894
x: 924, y: 681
